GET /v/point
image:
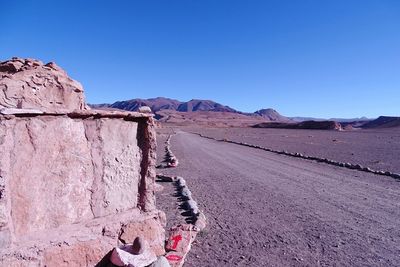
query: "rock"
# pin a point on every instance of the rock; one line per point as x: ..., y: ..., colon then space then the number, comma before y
x: 145, y: 109
x: 166, y: 178
x: 181, y: 182
x: 158, y: 187
x: 124, y: 256
x: 192, y: 205
x: 160, y: 262
x: 29, y: 84
x: 185, y: 192
x: 11, y: 66
x: 179, y: 243
x: 150, y: 230
x: 201, y: 221
x: 367, y: 169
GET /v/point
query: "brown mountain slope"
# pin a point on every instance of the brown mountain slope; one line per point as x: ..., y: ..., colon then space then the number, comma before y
x: 204, y: 105
x: 272, y: 115
x: 383, y: 122
x: 156, y: 104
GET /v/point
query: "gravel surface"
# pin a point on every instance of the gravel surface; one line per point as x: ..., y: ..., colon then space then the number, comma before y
x: 378, y: 149
x: 265, y: 209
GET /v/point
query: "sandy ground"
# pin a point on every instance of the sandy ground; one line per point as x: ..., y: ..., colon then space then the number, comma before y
x: 378, y: 149
x: 265, y: 209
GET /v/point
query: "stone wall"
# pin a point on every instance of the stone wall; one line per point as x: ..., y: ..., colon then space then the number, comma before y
x: 74, y: 182
x: 61, y: 171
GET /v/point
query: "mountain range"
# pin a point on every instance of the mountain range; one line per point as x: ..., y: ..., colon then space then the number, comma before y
x: 208, y: 112
x: 195, y: 105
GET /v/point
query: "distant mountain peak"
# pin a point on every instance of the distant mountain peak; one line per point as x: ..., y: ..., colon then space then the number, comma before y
x: 271, y: 114
x: 203, y: 105
x: 267, y: 110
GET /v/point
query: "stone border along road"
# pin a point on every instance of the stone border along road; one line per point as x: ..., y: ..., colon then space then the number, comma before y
x: 299, y: 155
x: 171, y: 161
x: 183, y: 235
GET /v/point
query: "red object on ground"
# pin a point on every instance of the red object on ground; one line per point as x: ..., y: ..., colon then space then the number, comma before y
x: 179, y: 243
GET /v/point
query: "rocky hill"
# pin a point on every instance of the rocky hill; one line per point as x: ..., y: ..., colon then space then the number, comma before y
x: 203, y: 105
x: 272, y: 115
x: 383, y: 122
x: 156, y: 104
x: 310, y: 125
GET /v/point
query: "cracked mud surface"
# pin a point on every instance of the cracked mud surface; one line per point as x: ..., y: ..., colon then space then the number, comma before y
x: 265, y: 209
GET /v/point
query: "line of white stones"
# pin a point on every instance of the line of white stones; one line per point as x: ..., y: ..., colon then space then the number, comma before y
x: 181, y: 236
x: 171, y: 159
x: 189, y: 204
x: 299, y: 155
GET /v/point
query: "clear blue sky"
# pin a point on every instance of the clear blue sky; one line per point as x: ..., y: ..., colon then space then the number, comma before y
x: 307, y: 58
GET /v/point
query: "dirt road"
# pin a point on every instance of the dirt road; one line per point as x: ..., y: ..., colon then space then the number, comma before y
x: 377, y: 149
x: 265, y: 209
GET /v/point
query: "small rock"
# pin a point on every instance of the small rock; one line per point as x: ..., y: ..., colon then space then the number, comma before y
x: 160, y: 262
x: 124, y: 257
x: 145, y: 109
x: 192, y: 205
x: 185, y: 192
x: 367, y: 169
x: 165, y: 178
x: 201, y: 222
x: 358, y: 167
x: 180, y: 181
x: 395, y: 175
x: 158, y: 187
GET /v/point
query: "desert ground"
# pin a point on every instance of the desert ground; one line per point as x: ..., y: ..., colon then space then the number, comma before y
x: 265, y: 209
x: 375, y: 148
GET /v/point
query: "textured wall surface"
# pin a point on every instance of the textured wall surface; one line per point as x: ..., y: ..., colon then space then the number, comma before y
x: 59, y: 171
x: 74, y: 182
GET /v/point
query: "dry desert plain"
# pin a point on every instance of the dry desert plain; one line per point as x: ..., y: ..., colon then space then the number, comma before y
x: 265, y: 209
